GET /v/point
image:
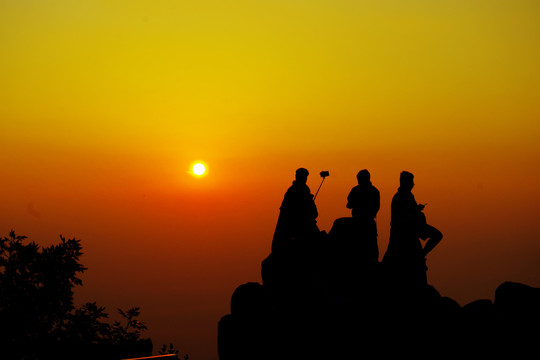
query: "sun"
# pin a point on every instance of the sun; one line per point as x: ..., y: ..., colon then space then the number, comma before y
x: 199, y: 169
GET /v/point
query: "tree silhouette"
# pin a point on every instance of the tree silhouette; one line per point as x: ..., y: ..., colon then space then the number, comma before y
x: 38, y: 318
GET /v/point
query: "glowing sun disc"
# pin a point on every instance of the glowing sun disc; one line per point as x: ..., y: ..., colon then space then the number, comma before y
x: 199, y: 169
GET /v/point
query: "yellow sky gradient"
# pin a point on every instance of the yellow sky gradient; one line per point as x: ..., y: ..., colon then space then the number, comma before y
x: 105, y: 105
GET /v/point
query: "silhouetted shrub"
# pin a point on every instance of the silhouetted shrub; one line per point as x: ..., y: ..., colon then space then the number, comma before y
x: 38, y: 319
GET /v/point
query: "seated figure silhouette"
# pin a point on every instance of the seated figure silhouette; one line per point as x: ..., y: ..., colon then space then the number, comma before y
x: 298, y: 213
x: 365, y: 201
x: 405, y: 257
x: 354, y: 251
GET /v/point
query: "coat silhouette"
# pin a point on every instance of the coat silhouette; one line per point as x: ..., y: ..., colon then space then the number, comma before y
x: 297, y: 215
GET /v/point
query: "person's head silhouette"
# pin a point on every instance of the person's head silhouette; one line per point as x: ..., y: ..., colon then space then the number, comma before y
x: 363, y: 177
x: 301, y: 175
x: 406, y: 180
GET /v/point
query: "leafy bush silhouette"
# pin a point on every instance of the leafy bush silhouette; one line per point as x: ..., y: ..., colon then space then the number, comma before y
x: 38, y: 318
x: 171, y: 350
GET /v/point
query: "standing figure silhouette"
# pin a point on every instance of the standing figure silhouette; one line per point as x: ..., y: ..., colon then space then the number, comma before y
x: 405, y: 257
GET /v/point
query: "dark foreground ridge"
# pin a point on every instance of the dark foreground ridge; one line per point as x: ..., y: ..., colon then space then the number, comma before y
x: 326, y: 296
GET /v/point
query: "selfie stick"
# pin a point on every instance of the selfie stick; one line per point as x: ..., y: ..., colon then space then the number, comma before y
x: 324, y: 174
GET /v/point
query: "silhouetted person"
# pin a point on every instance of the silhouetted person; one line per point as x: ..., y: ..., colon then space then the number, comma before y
x: 365, y: 201
x: 405, y: 256
x: 297, y: 213
x: 355, y: 253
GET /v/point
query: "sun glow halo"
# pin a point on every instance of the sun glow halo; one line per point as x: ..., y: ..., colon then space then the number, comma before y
x: 199, y: 169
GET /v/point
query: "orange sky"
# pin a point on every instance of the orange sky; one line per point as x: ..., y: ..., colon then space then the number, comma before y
x: 105, y: 105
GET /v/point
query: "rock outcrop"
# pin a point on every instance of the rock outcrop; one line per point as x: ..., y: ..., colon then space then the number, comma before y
x: 328, y: 297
